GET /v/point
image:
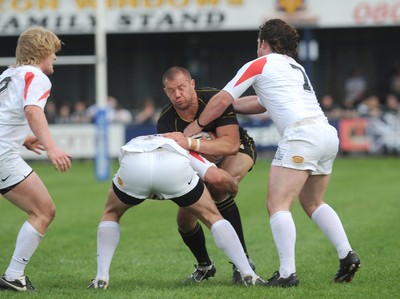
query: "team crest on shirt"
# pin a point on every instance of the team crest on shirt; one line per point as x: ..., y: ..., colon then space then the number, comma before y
x: 120, y: 181
x: 298, y: 159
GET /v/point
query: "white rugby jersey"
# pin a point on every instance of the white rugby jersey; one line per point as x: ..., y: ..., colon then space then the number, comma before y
x: 282, y: 87
x: 19, y: 87
x: 149, y: 143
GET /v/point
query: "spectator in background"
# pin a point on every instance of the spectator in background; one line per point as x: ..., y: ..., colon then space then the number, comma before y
x: 370, y: 107
x: 64, y: 115
x: 395, y: 84
x: 355, y: 86
x: 392, y: 104
x: 50, y: 110
x: 80, y: 115
x: 122, y: 115
x: 331, y: 109
x: 111, y: 105
x: 147, y: 114
x: 348, y: 109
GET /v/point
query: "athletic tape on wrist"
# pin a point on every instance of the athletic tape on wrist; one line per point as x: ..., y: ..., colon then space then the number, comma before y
x: 197, y: 145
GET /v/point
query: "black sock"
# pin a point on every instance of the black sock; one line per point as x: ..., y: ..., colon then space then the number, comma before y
x: 230, y: 212
x: 196, y: 242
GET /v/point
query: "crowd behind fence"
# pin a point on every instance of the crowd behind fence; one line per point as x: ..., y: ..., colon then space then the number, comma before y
x: 368, y: 124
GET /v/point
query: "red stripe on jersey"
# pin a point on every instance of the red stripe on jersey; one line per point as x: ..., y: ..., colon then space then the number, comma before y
x: 197, y: 156
x: 254, y: 69
x: 28, y: 80
x: 45, y: 95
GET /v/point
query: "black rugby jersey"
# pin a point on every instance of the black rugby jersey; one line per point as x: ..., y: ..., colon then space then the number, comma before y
x: 170, y: 121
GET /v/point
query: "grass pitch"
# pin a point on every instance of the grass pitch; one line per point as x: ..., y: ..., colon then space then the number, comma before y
x: 151, y: 260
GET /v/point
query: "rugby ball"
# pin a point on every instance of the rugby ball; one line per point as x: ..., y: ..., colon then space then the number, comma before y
x: 208, y: 136
x: 202, y: 135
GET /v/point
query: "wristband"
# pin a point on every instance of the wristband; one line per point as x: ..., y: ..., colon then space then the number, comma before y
x: 197, y: 145
x: 198, y: 123
x: 189, y: 143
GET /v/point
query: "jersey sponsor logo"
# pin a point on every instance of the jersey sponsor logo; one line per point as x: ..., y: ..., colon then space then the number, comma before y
x: 298, y: 159
x: 255, y: 68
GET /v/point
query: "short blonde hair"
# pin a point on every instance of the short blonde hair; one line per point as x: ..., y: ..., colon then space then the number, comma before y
x: 36, y: 44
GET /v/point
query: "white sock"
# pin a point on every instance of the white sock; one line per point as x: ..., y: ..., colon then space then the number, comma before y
x: 227, y: 240
x: 107, y: 240
x: 328, y: 221
x: 284, y: 233
x: 28, y: 240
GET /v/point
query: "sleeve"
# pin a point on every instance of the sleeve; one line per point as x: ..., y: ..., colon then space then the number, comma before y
x: 245, y: 77
x: 37, y: 89
x: 199, y: 163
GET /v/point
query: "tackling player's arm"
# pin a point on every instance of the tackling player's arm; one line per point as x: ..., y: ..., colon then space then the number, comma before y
x: 219, y: 178
x: 214, y: 109
x: 226, y: 142
x: 248, y: 105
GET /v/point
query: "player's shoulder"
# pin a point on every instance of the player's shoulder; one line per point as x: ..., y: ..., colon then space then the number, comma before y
x: 166, y: 110
x: 207, y: 90
x: 32, y: 72
x: 206, y: 93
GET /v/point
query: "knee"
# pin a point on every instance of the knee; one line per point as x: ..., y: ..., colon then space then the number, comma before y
x: 47, y: 215
x: 186, y: 222
x: 51, y: 213
x: 274, y: 206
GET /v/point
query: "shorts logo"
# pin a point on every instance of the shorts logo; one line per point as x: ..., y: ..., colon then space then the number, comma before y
x: 278, y: 155
x: 5, y: 179
x: 120, y: 181
x: 297, y: 159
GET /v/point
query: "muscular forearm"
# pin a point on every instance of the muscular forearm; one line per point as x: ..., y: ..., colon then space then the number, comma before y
x: 39, y: 126
x: 215, y: 107
x: 248, y: 105
x: 222, y: 146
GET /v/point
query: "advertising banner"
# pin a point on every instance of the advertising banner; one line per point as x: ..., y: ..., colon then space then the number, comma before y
x: 143, y: 16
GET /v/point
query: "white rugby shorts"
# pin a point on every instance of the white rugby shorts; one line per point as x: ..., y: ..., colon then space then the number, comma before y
x: 13, y: 170
x: 309, y: 146
x: 161, y: 173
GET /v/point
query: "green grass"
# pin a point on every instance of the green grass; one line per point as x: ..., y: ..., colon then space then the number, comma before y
x: 151, y: 260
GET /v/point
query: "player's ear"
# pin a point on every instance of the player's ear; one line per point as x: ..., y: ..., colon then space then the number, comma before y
x: 264, y: 45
